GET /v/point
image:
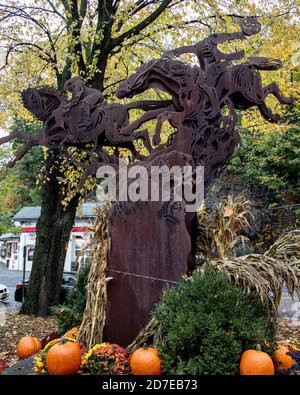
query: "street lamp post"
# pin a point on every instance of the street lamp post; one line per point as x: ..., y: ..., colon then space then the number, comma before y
x: 24, y: 270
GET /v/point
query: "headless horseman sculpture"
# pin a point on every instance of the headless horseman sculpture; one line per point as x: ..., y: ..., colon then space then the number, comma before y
x: 153, y: 242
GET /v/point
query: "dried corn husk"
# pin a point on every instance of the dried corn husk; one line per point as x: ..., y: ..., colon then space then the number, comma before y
x: 219, y: 232
x: 94, y: 316
x: 267, y: 274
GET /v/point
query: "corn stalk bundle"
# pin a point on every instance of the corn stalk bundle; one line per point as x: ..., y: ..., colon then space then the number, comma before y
x: 150, y: 334
x: 219, y: 232
x: 267, y: 273
x: 94, y: 316
x: 287, y: 247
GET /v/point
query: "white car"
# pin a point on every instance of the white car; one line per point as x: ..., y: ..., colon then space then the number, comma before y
x: 4, y: 293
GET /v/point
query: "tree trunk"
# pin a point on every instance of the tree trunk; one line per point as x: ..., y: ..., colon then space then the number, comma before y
x: 53, y: 227
x: 53, y: 233
x: 97, y: 82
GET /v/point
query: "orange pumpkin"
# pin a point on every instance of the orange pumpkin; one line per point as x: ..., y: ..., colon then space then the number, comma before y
x: 64, y: 358
x: 145, y: 361
x: 256, y: 362
x: 38, y: 344
x: 28, y: 346
x: 282, y: 361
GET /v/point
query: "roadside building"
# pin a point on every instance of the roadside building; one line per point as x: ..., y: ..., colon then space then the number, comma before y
x: 24, y: 244
x: 9, y: 245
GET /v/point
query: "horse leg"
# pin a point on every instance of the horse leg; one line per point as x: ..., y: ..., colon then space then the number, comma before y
x: 130, y: 146
x: 146, y: 140
x: 31, y: 140
x: 21, y: 136
x: 267, y: 113
x: 116, y: 152
x: 133, y: 151
x: 90, y: 170
x: 129, y: 129
x: 232, y: 119
x: 22, y: 152
x: 144, y: 136
x: 166, y: 115
x: 273, y: 89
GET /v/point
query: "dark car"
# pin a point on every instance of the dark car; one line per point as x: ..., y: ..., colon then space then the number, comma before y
x: 68, y: 283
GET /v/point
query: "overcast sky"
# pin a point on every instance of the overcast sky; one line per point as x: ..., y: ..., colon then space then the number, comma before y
x: 2, y: 133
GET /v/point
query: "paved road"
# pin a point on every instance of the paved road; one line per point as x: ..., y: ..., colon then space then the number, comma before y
x: 10, y: 278
x: 289, y: 307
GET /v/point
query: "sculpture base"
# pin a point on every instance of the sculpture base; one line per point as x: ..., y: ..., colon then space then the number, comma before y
x: 150, y: 249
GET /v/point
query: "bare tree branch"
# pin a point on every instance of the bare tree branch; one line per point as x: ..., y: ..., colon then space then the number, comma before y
x: 142, y: 5
x: 83, y: 8
x: 105, y: 22
x: 142, y: 25
x: 153, y: 32
x: 75, y: 30
x: 12, y: 48
x: 66, y: 5
x: 115, y: 5
x: 14, y: 11
x: 55, y: 10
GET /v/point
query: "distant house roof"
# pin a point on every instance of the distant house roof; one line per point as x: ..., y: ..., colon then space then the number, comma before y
x: 27, y: 213
x: 86, y: 210
x: 7, y: 236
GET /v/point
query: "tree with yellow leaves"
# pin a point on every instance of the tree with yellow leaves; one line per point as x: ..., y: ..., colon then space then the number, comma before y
x: 47, y: 41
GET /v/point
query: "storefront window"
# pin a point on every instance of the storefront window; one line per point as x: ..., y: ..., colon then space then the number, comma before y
x: 81, y: 252
x: 30, y: 253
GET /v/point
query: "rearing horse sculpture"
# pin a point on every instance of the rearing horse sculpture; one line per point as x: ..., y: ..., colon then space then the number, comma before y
x: 199, y: 94
x: 239, y: 85
x: 83, y: 120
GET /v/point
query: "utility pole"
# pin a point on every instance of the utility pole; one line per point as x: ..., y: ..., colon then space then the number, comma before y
x: 24, y: 270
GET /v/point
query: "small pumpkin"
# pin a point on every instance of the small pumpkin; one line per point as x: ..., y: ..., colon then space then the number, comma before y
x: 256, y: 362
x: 63, y: 358
x: 145, y: 361
x: 38, y: 344
x: 281, y: 359
x: 27, y: 346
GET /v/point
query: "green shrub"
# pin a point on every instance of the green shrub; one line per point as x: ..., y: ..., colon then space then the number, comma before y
x: 70, y: 314
x: 271, y: 160
x: 207, y: 323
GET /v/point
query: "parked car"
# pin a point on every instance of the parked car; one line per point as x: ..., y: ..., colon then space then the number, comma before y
x: 4, y: 293
x: 68, y: 283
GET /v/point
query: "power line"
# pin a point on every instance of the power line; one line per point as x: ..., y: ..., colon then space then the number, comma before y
x: 268, y: 193
x: 279, y: 207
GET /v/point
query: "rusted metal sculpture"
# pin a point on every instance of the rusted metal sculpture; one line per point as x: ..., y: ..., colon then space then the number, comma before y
x: 200, y: 93
x: 161, y: 234
x: 83, y: 120
x: 152, y: 242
